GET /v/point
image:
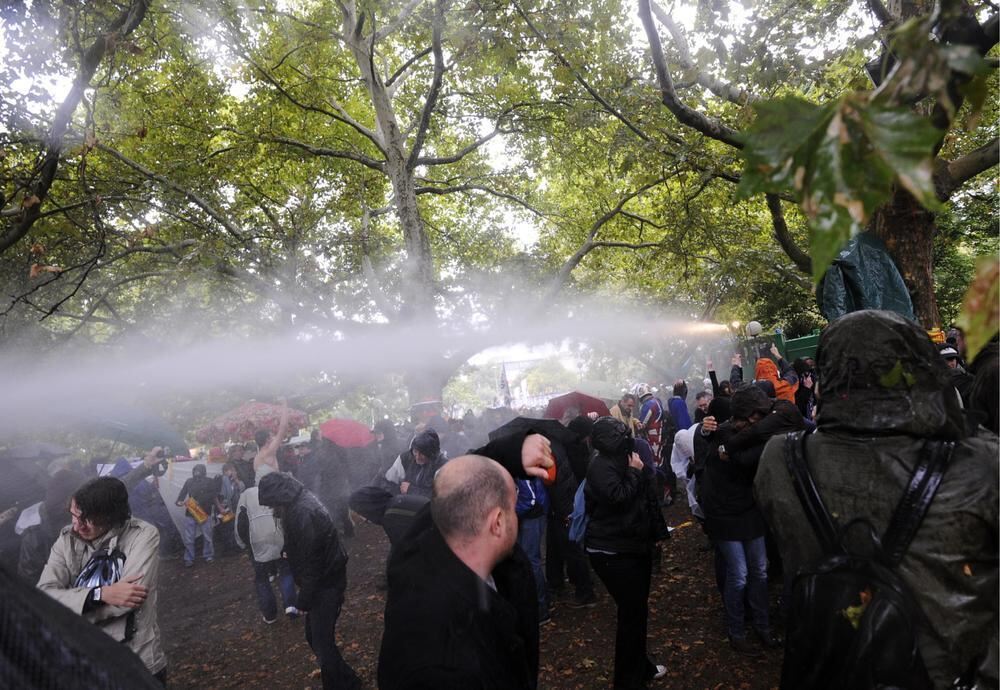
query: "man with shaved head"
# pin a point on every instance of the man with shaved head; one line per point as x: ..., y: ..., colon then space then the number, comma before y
x: 461, y: 611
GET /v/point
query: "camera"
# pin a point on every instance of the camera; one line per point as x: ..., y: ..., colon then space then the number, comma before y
x: 161, y: 467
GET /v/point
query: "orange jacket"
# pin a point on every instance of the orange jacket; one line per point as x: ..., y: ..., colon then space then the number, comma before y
x: 768, y: 371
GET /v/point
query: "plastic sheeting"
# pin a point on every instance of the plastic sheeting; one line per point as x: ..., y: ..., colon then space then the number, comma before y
x: 172, y: 482
x: 863, y: 276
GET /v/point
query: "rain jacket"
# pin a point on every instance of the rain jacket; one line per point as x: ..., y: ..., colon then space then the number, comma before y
x: 446, y: 628
x: 616, y: 494
x: 139, y: 541
x: 266, y: 539
x: 420, y: 477
x: 785, y: 384
x: 885, y: 392
x: 312, y: 545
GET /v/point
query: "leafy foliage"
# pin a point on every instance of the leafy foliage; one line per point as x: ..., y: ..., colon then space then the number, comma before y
x: 839, y: 161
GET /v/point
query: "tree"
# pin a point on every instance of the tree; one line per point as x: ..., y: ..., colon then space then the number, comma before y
x: 856, y: 160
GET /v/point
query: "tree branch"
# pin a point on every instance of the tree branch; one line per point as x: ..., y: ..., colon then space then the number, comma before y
x: 405, y: 66
x: 201, y: 203
x: 588, y: 244
x: 727, y: 92
x: 801, y: 260
x: 610, y: 109
x: 961, y: 170
x: 124, y: 24
x: 397, y: 21
x: 435, y: 89
x: 340, y: 116
x: 881, y: 12
x: 481, y: 188
x: 454, y: 158
x: 331, y: 153
x: 685, y: 114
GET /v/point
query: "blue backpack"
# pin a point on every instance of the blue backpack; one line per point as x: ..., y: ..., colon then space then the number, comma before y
x: 578, y: 518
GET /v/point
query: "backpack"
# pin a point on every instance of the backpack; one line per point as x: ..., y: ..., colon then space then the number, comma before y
x: 578, y: 518
x: 853, y: 620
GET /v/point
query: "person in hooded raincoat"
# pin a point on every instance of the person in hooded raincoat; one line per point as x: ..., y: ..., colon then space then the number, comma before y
x: 319, y: 566
x: 620, y: 532
x: 884, y: 393
x: 781, y: 375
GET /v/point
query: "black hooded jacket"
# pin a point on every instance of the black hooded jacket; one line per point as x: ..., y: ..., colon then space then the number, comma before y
x: 445, y: 628
x: 317, y: 559
x: 615, y: 494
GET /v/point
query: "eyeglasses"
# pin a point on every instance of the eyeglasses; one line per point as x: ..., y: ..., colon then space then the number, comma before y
x: 79, y: 519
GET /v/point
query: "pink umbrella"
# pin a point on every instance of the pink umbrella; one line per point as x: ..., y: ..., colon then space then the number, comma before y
x: 243, y: 422
x: 581, y: 401
x: 346, y: 433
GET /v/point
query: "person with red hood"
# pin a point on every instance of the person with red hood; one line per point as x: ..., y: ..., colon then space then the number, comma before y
x: 785, y: 383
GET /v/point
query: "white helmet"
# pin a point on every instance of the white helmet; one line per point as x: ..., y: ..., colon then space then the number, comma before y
x: 641, y: 390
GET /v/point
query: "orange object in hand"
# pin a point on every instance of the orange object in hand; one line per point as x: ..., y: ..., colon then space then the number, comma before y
x: 550, y: 475
x: 197, y: 513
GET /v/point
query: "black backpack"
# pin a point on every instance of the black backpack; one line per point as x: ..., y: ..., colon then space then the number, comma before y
x: 853, y: 621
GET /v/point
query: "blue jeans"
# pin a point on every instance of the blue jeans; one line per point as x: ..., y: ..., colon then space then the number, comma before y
x: 262, y: 573
x: 529, y: 536
x: 746, y: 574
x: 191, y: 531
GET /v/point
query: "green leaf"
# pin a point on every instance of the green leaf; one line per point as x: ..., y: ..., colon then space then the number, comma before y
x: 905, y: 142
x: 897, y: 375
x: 980, y: 317
x: 839, y: 161
x: 777, y: 145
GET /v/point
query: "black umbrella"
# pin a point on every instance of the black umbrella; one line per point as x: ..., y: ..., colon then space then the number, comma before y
x: 35, y: 450
x: 132, y: 426
x: 549, y: 428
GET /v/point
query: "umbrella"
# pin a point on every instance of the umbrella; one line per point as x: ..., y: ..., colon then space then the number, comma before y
x: 36, y: 450
x: 585, y: 403
x: 243, y: 422
x: 132, y: 426
x: 346, y: 433
x: 549, y: 428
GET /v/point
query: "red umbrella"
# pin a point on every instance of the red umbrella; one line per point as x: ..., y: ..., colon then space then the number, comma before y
x: 243, y: 422
x: 346, y: 433
x: 584, y: 403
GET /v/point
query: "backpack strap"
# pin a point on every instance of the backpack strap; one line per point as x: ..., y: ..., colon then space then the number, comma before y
x: 909, y: 514
x: 819, y: 517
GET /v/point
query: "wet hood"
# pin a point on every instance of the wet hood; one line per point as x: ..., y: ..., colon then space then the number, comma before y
x: 880, y: 373
x: 611, y: 437
x: 278, y: 489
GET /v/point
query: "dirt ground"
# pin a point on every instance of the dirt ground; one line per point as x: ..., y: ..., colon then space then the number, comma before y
x: 215, y: 637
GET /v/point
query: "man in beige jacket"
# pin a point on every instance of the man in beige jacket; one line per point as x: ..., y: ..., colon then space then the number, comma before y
x: 104, y: 567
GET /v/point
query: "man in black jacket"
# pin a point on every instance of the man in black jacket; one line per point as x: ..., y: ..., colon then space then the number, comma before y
x: 461, y: 612
x: 732, y: 519
x: 319, y: 566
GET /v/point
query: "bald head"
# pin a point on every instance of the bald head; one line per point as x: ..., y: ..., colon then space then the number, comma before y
x: 466, y: 491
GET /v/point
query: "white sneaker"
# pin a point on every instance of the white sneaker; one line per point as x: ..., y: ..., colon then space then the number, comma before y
x: 292, y: 612
x: 269, y: 622
x: 660, y: 672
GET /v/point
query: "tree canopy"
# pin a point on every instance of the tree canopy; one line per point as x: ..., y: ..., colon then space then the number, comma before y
x: 188, y: 170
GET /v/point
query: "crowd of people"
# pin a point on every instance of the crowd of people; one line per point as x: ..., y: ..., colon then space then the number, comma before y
x: 490, y: 532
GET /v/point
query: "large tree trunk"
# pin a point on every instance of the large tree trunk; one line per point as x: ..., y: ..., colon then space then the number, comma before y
x: 418, y: 273
x: 908, y: 230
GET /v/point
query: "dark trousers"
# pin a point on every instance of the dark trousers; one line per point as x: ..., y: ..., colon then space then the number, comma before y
x: 262, y: 573
x: 626, y: 577
x: 560, y: 554
x: 321, y: 625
